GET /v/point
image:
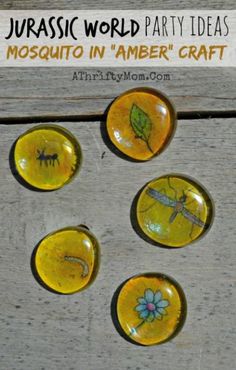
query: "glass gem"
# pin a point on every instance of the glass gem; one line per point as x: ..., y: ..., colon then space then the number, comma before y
x: 174, y: 210
x: 151, y: 308
x: 66, y: 261
x: 47, y: 157
x: 140, y: 123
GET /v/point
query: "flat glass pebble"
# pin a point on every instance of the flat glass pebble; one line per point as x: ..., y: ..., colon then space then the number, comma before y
x: 140, y: 123
x: 174, y: 210
x: 47, y: 157
x: 151, y: 308
x: 67, y: 260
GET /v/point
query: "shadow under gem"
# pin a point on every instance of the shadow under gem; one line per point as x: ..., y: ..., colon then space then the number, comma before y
x: 35, y: 271
x: 114, y: 316
x: 136, y: 227
x: 17, y: 176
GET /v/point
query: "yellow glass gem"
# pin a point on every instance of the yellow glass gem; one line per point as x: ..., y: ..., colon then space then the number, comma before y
x: 151, y: 308
x: 174, y: 210
x: 67, y: 261
x: 140, y: 123
x: 47, y: 157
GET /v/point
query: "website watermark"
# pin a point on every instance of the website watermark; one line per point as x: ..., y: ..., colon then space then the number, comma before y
x: 110, y: 75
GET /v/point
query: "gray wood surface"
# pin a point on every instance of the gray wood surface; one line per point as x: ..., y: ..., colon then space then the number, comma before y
x: 51, y: 92
x: 40, y: 330
x: 122, y: 4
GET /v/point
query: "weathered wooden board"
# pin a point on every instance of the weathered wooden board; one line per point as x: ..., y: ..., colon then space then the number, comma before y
x: 52, y: 92
x: 122, y: 4
x: 41, y: 330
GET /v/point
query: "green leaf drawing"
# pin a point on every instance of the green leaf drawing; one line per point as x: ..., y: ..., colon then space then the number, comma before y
x: 141, y: 124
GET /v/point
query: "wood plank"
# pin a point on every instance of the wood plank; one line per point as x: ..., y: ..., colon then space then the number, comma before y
x: 106, y: 4
x: 40, y: 330
x: 52, y: 92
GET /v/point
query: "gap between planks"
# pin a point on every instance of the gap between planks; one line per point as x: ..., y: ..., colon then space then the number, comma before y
x: 197, y: 115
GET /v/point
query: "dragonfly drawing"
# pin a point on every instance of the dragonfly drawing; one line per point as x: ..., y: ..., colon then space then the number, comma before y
x: 177, y: 205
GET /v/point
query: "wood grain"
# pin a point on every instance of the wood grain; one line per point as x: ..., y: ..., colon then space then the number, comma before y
x: 122, y: 4
x: 52, y: 92
x: 41, y: 330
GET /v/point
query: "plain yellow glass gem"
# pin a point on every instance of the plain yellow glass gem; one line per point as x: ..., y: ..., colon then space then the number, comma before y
x: 47, y: 157
x: 151, y: 308
x: 140, y: 123
x: 67, y: 261
x: 174, y: 210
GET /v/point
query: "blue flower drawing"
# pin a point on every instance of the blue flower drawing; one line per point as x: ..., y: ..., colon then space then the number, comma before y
x: 152, y: 306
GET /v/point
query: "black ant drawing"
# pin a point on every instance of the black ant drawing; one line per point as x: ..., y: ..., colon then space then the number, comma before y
x: 47, y: 158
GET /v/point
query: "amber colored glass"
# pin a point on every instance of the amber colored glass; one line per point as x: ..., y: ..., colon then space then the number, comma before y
x: 151, y: 308
x: 47, y: 157
x: 174, y: 210
x: 140, y: 123
x: 67, y: 260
